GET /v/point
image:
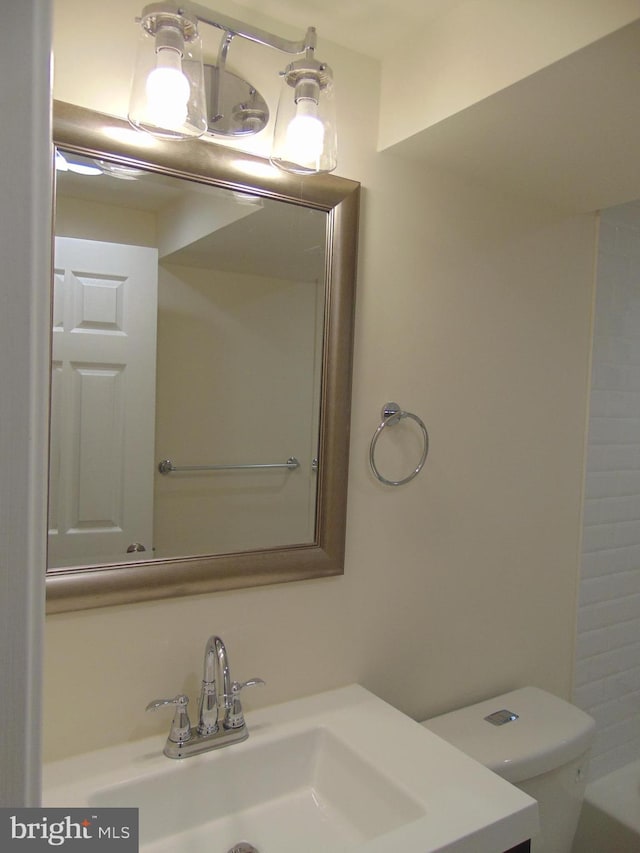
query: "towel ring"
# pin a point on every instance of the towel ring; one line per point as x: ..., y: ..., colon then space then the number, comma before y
x: 392, y: 414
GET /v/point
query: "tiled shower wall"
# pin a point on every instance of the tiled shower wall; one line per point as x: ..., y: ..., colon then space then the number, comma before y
x: 607, y: 683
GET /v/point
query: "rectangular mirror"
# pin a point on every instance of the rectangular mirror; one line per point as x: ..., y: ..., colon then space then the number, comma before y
x: 202, y: 324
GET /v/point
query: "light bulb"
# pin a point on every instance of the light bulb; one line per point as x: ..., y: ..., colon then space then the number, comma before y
x: 305, y: 134
x: 61, y: 162
x: 83, y: 168
x: 168, y: 91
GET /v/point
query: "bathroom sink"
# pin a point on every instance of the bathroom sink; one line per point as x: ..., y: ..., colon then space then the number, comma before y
x: 324, y: 793
x: 337, y: 772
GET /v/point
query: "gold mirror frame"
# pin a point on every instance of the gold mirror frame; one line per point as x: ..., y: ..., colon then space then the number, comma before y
x: 88, y: 132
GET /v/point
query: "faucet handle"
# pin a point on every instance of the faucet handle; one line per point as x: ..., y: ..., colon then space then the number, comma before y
x: 237, y: 686
x: 234, y: 718
x: 180, y: 731
x: 181, y: 700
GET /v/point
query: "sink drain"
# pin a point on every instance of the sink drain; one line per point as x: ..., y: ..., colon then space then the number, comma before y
x: 243, y: 847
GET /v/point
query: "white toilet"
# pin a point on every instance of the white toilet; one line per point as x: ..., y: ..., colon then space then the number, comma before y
x: 536, y: 741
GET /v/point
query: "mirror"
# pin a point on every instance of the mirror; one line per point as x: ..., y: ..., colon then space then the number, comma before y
x: 180, y: 323
x: 201, y: 367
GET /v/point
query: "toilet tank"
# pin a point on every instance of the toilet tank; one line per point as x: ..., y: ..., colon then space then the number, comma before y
x: 536, y: 741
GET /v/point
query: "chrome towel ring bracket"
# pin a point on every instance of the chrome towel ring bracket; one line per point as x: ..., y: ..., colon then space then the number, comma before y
x: 392, y: 414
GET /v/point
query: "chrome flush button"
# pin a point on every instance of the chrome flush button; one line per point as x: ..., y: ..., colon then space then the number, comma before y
x: 499, y: 718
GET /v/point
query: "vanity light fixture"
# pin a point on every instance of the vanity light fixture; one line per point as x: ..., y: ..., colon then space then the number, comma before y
x: 176, y: 96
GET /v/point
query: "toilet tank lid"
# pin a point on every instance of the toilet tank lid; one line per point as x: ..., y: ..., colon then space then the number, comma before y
x: 547, y: 732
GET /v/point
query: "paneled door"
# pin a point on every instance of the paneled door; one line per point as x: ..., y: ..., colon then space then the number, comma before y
x: 102, y: 401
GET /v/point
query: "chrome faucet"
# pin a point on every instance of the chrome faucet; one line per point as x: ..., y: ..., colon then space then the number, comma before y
x: 185, y: 740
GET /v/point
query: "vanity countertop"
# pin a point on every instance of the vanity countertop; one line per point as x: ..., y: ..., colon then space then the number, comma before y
x: 392, y: 785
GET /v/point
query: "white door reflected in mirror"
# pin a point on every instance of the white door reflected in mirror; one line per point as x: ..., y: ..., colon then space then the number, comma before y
x: 102, y: 400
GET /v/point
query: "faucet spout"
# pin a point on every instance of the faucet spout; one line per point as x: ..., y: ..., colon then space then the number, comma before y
x: 208, y: 702
x: 223, y: 666
x: 216, y: 666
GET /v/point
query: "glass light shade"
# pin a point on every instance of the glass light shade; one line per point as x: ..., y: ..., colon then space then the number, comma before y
x: 167, y: 94
x: 304, y: 139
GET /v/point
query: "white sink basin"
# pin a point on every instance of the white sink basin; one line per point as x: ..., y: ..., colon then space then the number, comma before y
x: 331, y: 773
x: 325, y: 794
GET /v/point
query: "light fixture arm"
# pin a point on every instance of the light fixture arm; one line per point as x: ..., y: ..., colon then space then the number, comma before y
x: 216, y: 95
x: 233, y: 26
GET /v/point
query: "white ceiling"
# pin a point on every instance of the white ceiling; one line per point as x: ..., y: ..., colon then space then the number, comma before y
x: 365, y: 26
x: 247, y: 245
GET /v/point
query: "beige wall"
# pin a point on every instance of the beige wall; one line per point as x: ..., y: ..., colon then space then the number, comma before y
x: 97, y: 221
x: 250, y: 344
x: 473, y: 311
